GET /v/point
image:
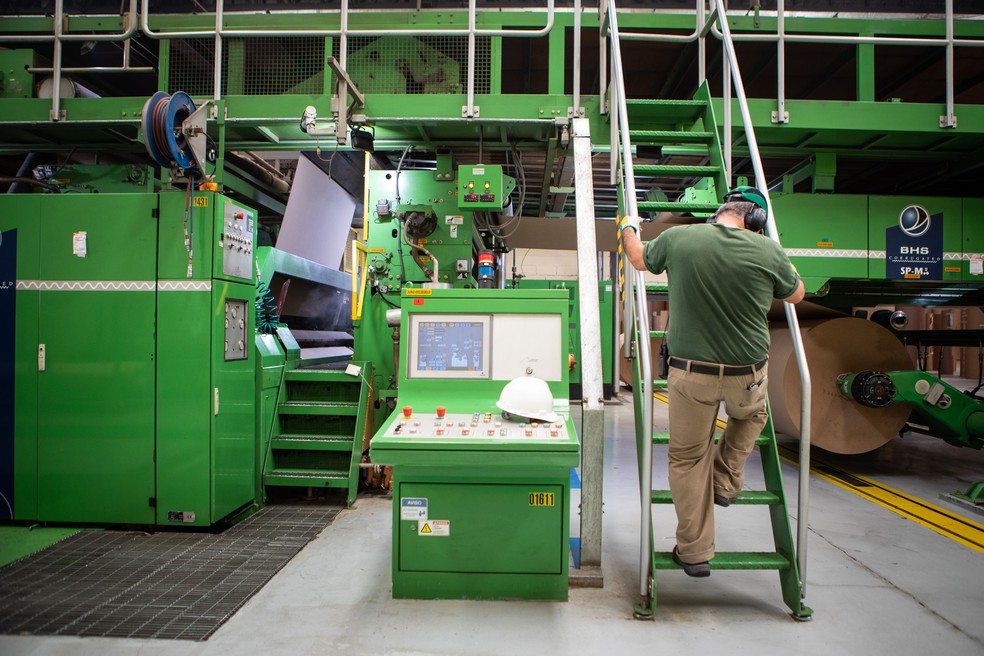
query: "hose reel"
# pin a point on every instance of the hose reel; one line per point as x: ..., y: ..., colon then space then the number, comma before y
x: 174, y: 132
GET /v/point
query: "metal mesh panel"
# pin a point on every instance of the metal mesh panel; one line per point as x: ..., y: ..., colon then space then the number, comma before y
x: 166, y: 585
x: 251, y: 67
x: 192, y: 62
x: 274, y: 66
x: 417, y: 65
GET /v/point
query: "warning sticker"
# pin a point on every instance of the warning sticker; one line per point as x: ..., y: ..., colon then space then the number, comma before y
x: 413, y: 508
x: 454, y: 220
x: 79, y: 244
x: 438, y: 528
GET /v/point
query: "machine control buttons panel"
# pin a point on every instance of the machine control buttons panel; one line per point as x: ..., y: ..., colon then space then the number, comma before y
x: 475, y: 425
x: 237, y: 242
x: 236, y: 329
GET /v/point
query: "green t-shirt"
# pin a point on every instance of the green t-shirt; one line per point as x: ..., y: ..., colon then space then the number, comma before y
x: 721, y: 283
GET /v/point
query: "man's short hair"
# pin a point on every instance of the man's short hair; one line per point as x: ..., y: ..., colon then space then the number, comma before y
x: 738, y: 207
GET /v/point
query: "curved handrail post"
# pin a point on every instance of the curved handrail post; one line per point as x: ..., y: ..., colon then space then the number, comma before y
x: 637, y: 285
x: 802, y: 519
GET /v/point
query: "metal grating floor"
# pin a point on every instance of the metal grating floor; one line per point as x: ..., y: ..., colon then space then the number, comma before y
x: 180, y: 586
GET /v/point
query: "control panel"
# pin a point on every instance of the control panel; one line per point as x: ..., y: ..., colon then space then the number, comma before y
x: 237, y: 241
x: 480, y: 186
x: 486, y: 424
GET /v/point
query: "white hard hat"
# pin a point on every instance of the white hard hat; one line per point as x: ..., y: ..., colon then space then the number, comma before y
x: 528, y: 396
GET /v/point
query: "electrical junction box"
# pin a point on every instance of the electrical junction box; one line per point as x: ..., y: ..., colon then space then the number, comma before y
x: 481, y: 502
x: 480, y: 187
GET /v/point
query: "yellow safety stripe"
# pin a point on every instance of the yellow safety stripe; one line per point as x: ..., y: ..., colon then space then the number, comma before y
x: 956, y: 527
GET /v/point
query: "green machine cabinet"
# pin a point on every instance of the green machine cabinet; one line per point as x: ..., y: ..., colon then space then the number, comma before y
x: 206, y: 421
x: 127, y: 363
x: 78, y: 357
x: 481, y: 502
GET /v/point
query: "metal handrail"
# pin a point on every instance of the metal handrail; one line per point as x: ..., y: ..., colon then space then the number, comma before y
x: 802, y: 518
x: 145, y: 27
x: 344, y: 33
x: 129, y: 21
x: 638, y: 287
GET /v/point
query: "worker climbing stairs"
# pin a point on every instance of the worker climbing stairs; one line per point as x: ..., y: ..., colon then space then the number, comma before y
x: 682, y: 137
x: 319, y: 429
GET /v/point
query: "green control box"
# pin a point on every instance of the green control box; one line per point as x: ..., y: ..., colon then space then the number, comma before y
x: 480, y: 187
x: 481, y: 500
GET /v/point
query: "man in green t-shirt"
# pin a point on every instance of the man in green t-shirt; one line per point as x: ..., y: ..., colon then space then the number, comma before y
x: 722, y: 278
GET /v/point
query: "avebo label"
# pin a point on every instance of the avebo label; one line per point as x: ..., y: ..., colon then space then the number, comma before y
x: 413, y: 508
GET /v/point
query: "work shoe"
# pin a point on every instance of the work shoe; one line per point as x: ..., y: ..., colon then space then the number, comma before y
x: 723, y: 501
x: 697, y: 570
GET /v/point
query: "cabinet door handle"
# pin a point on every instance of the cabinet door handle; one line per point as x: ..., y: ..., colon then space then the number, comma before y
x: 41, y: 357
x: 216, y: 401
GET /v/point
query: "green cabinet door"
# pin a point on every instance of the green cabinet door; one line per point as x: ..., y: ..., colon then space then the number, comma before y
x: 19, y: 251
x: 505, y: 528
x: 96, y: 390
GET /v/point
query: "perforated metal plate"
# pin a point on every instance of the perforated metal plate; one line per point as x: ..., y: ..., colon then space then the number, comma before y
x: 165, y: 585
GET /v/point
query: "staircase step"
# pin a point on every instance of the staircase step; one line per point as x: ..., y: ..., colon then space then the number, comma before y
x: 301, y: 442
x: 306, y: 478
x: 657, y: 334
x: 657, y: 289
x: 731, y: 560
x: 327, y: 375
x: 665, y: 111
x: 675, y: 170
x: 670, y: 206
x: 659, y: 384
x: 330, y: 408
x: 664, y: 438
x: 669, y: 137
x: 745, y: 498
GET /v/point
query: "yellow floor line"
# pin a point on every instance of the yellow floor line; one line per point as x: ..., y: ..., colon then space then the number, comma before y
x: 944, y: 522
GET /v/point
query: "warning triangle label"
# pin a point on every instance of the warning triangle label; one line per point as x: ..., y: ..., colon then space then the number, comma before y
x: 426, y: 528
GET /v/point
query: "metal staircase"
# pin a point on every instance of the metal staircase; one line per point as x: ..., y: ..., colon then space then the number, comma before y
x: 691, y: 123
x: 319, y: 429
x: 680, y: 125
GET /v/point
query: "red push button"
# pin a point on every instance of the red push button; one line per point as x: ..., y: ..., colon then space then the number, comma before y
x: 441, y: 410
x: 407, y: 411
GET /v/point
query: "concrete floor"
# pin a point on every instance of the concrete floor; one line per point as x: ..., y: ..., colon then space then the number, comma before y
x: 878, y: 583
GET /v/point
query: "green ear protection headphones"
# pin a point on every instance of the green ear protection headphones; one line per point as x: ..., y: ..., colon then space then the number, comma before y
x: 756, y: 217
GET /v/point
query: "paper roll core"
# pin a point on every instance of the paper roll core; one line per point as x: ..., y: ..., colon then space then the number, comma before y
x: 834, y: 347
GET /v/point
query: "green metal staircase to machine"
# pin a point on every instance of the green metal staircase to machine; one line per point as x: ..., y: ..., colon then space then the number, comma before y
x: 685, y: 123
x: 317, y: 438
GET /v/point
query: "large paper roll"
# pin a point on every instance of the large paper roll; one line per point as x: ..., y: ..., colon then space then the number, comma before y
x: 834, y: 347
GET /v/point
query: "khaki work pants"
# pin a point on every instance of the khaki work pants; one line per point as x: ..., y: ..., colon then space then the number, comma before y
x: 698, y: 470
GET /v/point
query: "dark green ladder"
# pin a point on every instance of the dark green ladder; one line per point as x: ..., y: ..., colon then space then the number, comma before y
x: 318, y: 434
x: 681, y: 128
x: 688, y: 127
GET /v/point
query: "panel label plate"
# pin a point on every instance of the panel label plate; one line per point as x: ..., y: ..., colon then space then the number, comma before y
x: 542, y: 499
x: 914, y: 247
x: 434, y: 528
x: 413, y: 508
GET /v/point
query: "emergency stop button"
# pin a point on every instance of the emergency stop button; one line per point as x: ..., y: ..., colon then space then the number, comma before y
x: 441, y: 411
x: 407, y: 411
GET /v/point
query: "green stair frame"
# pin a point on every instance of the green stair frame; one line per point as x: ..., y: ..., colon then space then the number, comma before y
x: 318, y: 432
x: 669, y: 123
